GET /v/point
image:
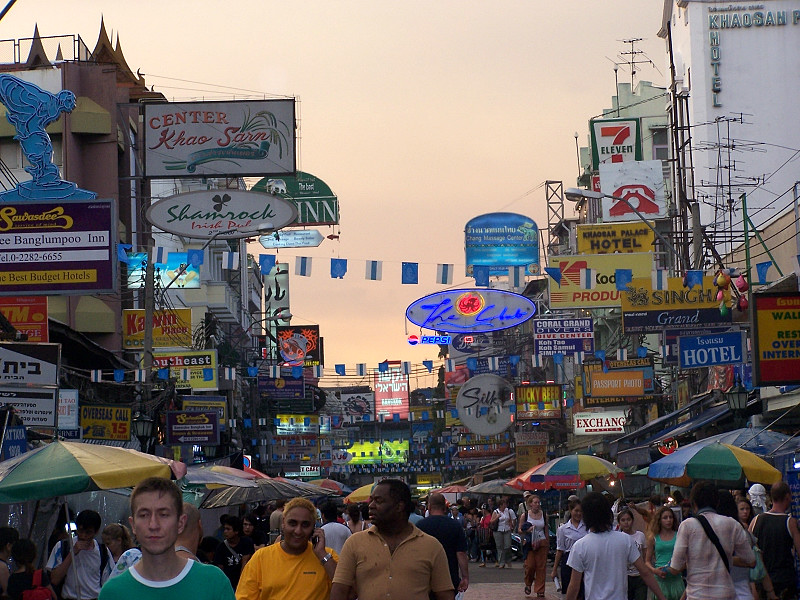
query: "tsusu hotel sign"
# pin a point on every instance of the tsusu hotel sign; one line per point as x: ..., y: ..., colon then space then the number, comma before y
x: 708, y: 350
x: 538, y: 401
x: 776, y: 335
x: 615, y: 140
x: 599, y: 422
x: 225, y: 213
x: 218, y: 139
x: 462, y: 311
x: 604, y: 293
x: 66, y: 247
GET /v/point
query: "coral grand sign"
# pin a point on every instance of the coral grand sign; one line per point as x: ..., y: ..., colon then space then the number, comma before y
x: 219, y: 139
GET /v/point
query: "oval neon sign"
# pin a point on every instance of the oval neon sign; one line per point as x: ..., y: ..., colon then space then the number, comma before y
x: 460, y: 311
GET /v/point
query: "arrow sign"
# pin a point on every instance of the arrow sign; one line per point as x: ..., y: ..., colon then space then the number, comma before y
x: 295, y: 238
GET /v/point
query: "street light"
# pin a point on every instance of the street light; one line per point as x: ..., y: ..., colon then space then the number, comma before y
x: 578, y: 194
x: 143, y: 427
x: 737, y: 398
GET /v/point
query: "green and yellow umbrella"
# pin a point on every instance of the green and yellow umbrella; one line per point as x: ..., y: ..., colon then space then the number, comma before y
x: 62, y: 468
x: 361, y: 494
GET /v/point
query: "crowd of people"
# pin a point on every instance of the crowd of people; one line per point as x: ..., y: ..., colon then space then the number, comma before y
x: 714, y: 544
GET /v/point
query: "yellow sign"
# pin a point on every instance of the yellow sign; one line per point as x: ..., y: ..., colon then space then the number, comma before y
x: 608, y: 238
x: 49, y: 277
x: 538, y: 401
x: 571, y: 293
x: 430, y: 479
x: 171, y: 328
x: 199, y: 403
x: 101, y: 422
x: 378, y: 452
x: 449, y: 419
x: 776, y: 350
x: 201, y: 366
x: 530, y: 456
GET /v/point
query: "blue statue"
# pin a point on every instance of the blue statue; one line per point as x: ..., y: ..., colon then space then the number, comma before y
x: 30, y: 109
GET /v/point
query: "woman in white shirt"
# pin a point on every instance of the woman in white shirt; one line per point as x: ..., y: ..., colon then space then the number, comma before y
x: 566, y: 536
x: 504, y: 517
x: 637, y: 588
x: 534, y: 523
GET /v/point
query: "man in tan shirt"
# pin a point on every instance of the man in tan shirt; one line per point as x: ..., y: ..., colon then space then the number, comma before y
x: 393, y: 558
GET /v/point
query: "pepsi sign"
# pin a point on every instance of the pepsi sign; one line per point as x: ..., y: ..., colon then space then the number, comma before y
x: 472, y: 310
x: 413, y: 340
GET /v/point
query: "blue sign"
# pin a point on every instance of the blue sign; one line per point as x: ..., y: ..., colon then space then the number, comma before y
x: 563, y: 336
x: 709, y: 350
x: 15, y: 443
x: 502, y: 240
x: 460, y: 311
x: 472, y: 343
x: 285, y: 387
x: 429, y: 339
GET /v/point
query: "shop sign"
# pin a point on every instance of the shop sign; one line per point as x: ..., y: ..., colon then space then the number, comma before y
x: 36, y: 407
x: 530, y: 456
x: 15, y: 442
x: 482, y: 404
x: 563, y: 336
x: 217, y: 404
x: 106, y: 422
x: 185, y: 427
x: 615, y: 140
x: 611, y: 238
x: 502, y: 240
x: 27, y: 364
x: 316, y: 203
x: 225, y: 213
x: 667, y: 446
x: 538, y: 401
x: 596, y: 423
x: 171, y: 328
x: 776, y: 335
x: 571, y: 293
x: 296, y: 424
x: 461, y: 311
x: 28, y: 315
x: 708, y: 350
x: 195, y: 369
x: 633, y: 185
x: 616, y: 383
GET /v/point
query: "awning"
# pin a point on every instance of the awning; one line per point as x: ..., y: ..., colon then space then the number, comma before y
x: 657, y: 424
x: 86, y: 117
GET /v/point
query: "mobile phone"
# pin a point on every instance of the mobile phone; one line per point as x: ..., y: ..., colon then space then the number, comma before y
x: 315, y: 540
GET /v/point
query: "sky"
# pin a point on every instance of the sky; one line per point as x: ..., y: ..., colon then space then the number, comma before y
x: 419, y: 115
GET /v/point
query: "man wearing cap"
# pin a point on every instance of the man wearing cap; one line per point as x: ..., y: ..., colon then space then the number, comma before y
x: 522, y: 509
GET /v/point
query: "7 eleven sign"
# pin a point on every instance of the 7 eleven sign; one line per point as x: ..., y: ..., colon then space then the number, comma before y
x: 615, y: 140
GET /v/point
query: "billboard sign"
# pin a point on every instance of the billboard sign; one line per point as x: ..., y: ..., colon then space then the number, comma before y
x: 177, y: 267
x: 586, y: 423
x: 315, y: 201
x: 219, y: 139
x: 563, y: 336
x: 352, y: 406
x: 482, y: 404
x: 36, y: 406
x: 185, y: 427
x: 708, y: 350
x: 29, y: 364
x: 614, y: 141
x: 641, y: 183
x: 604, y: 293
x: 645, y: 309
x: 461, y: 311
x: 374, y: 452
x: 776, y: 341
x: 291, y: 424
x: 171, y: 328
x: 610, y: 238
x: 227, y: 213
x: 66, y: 247
x: 538, y: 401
x: 200, y: 364
x: 391, y: 394
x: 300, y: 345
x: 292, y: 238
x: 106, y: 422
x: 285, y: 387
x: 615, y: 383
x: 28, y: 315
x: 502, y: 240
x: 68, y: 409
x: 208, y: 403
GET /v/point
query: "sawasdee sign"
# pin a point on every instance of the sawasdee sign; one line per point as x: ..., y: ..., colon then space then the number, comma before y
x: 471, y: 310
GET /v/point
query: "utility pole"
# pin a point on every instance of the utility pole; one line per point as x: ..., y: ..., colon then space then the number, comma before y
x: 149, y: 306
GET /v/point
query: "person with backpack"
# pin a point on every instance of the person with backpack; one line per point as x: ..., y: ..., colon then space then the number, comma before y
x: 92, y: 561
x: 235, y: 550
x: 27, y: 583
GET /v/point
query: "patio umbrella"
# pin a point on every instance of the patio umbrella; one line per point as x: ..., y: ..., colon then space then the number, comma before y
x: 566, y: 472
x: 361, y: 494
x: 761, y: 442
x: 310, y: 488
x: 265, y: 490
x: 213, y: 476
x: 62, y: 468
x: 332, y: 484
x: 723, y: 464
x: 494, y: 486
x: 450, y: 489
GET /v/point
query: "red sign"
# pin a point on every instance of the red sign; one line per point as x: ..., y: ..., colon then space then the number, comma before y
x: 28, y: 315
x: 668, y: 446
x: 391, y: 394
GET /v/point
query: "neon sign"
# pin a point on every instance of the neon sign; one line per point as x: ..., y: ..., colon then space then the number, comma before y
x: 463, y: 311
x: 413, y: 340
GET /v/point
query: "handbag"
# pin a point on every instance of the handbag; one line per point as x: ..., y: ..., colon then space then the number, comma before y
x: 759, y: 571
x: 494, y: 524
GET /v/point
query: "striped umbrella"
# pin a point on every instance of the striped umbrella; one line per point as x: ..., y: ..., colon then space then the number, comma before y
x: 566, y: 472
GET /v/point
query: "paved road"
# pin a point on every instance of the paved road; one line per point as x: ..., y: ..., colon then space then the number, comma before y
x: 489, y: 583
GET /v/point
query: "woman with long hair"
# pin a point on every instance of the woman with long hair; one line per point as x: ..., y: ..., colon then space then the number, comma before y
x: 24, y: 554
x: 660, y: 545
x: 637, y: 588
x: 117, y: 539
x: 566, y: 535
x: 533, y: 523
x: 744, y: 512
x: 504, y: 517
x: 355, y: 522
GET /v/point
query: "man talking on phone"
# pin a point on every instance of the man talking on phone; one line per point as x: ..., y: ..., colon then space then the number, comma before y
x: 299, y: 567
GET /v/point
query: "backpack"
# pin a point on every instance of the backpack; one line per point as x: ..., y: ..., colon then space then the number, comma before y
x: 38, y: 591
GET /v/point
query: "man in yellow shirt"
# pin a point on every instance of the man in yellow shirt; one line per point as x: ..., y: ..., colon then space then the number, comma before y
x: 299, y: 567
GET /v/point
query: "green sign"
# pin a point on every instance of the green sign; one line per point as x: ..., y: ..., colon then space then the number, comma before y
x: 316, y: 203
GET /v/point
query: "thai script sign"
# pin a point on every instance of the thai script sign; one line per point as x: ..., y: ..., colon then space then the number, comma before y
x: 538, y: 401
x: 57, y: 247
x: 608, y: 238
x: 219, y: 139
x: 28, y: 315
x: 502, y: 240
x: 199, y: 365
x: 640, y: 183
x: 554, y: 336
x: 171, y: 328
x: 717, y: 349
x: 483, y: 404
x: 106, y: 422
x: 36, y: 406
x: 229, y: 213
x: 391, y: 394
x: 185, y: 427
x: 316, y: 203
x: 603, y: 293
x: 615, y: 140
x: 645, y: 309
x: 459, y: 311
x: 29, y: 364
x: 776, y: 335
x: 599, y: 422
x: 208, y: 403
